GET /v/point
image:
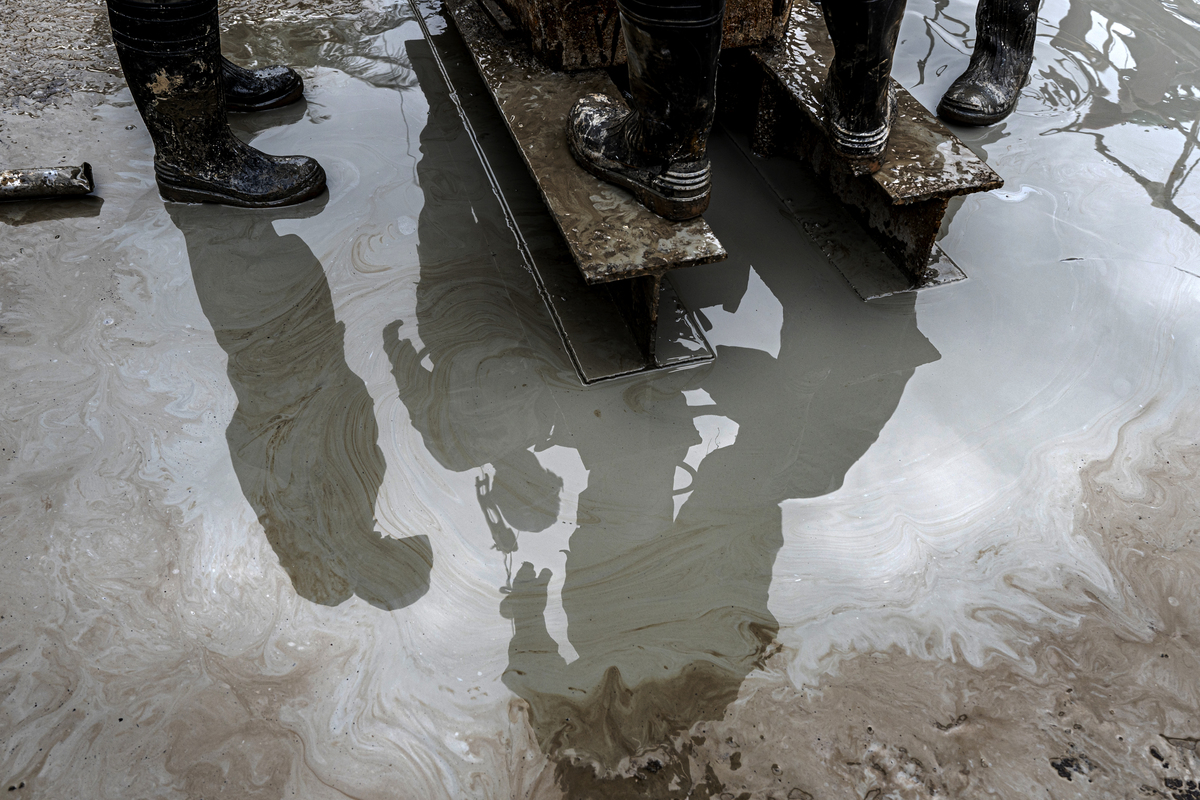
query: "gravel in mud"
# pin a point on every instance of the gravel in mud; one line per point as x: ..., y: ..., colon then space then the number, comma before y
x: 45, y: 57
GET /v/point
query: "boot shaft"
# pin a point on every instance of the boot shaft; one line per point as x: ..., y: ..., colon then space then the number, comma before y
x: 170, y: 53
x: 1005, y: 29
x: 673, y: 50
x: 858, y: 99
x: 678, y: 13
x: 174, y: 27
x: 864, y: 34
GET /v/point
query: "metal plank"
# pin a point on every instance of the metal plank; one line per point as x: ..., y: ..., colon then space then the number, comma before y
x: 610, y: 235
x: 924, y: 160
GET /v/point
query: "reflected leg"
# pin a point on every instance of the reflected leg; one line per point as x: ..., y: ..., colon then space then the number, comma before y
x: 303, y: 440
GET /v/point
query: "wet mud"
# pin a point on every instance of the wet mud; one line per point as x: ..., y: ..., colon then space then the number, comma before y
x: 1107, y: 707
x: 313, y: 502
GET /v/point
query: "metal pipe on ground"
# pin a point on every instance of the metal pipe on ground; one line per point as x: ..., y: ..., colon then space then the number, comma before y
x: 39, y: 183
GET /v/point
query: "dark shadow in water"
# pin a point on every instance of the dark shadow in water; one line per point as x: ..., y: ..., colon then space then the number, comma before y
x: 667, y: 609
x: 24, y: 212
x: 303, y: 438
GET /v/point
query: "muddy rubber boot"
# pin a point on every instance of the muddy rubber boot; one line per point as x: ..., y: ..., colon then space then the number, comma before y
x: 259, y: 89
x: 170, y: 54
x: 658, y: 149
x: 987, y: 92
x: 860, y: 102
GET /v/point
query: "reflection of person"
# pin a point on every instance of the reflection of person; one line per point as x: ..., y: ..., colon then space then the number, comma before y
x: 170, y: 52
x: 303, y: 438
x: 987, y: 91
x: 669, y: 570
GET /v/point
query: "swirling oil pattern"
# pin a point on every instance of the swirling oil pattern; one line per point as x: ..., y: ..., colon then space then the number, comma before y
x: 310, y: 502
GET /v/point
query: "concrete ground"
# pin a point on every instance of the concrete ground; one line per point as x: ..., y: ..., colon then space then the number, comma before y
x: 311, y: 502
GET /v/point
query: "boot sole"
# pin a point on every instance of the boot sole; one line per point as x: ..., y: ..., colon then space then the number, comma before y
x: 279, y: 102
x: 670, y: 208
x: 959, y: 115
x: 191, y: 194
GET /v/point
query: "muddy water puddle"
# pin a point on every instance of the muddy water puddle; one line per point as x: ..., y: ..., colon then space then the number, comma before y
x: 312, y: 501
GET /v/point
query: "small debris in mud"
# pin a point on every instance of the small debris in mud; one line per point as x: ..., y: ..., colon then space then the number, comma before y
x: 1181, y: 790
x: 1069, y: 765
x: 959, y: 720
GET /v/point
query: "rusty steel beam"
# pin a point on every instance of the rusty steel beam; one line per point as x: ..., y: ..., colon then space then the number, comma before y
x: 925, y: 165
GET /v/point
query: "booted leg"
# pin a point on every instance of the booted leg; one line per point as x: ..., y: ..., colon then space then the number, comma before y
x: 170, y: 54
x: 259, y: 89
x: 658, y: 150
x: 987, y: 92
x: 859, y: 100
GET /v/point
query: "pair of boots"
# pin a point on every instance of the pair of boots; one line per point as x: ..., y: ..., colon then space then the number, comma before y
x: 170, y: 52
x: 657, y: 150
x: 860, y: 100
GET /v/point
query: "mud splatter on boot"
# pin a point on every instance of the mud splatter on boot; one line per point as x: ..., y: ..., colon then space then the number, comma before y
x: 988, y: 91
x: 170, y: 54
x: 658, y: 148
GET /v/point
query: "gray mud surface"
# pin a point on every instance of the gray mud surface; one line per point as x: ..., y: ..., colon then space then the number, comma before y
x: 47, y: 53
x: 311, y: 502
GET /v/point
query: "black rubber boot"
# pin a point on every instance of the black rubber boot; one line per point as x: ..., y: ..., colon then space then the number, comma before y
x: 658, y: 149
x: 860, y: 102
x: 260, y: 89
x: 987, y: 92
x: 170, y: 53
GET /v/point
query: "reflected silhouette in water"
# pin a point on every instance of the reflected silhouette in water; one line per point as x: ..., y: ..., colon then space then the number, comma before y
x: 1139, y: 59
x: 669, y: 569
x: 303, y: 437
